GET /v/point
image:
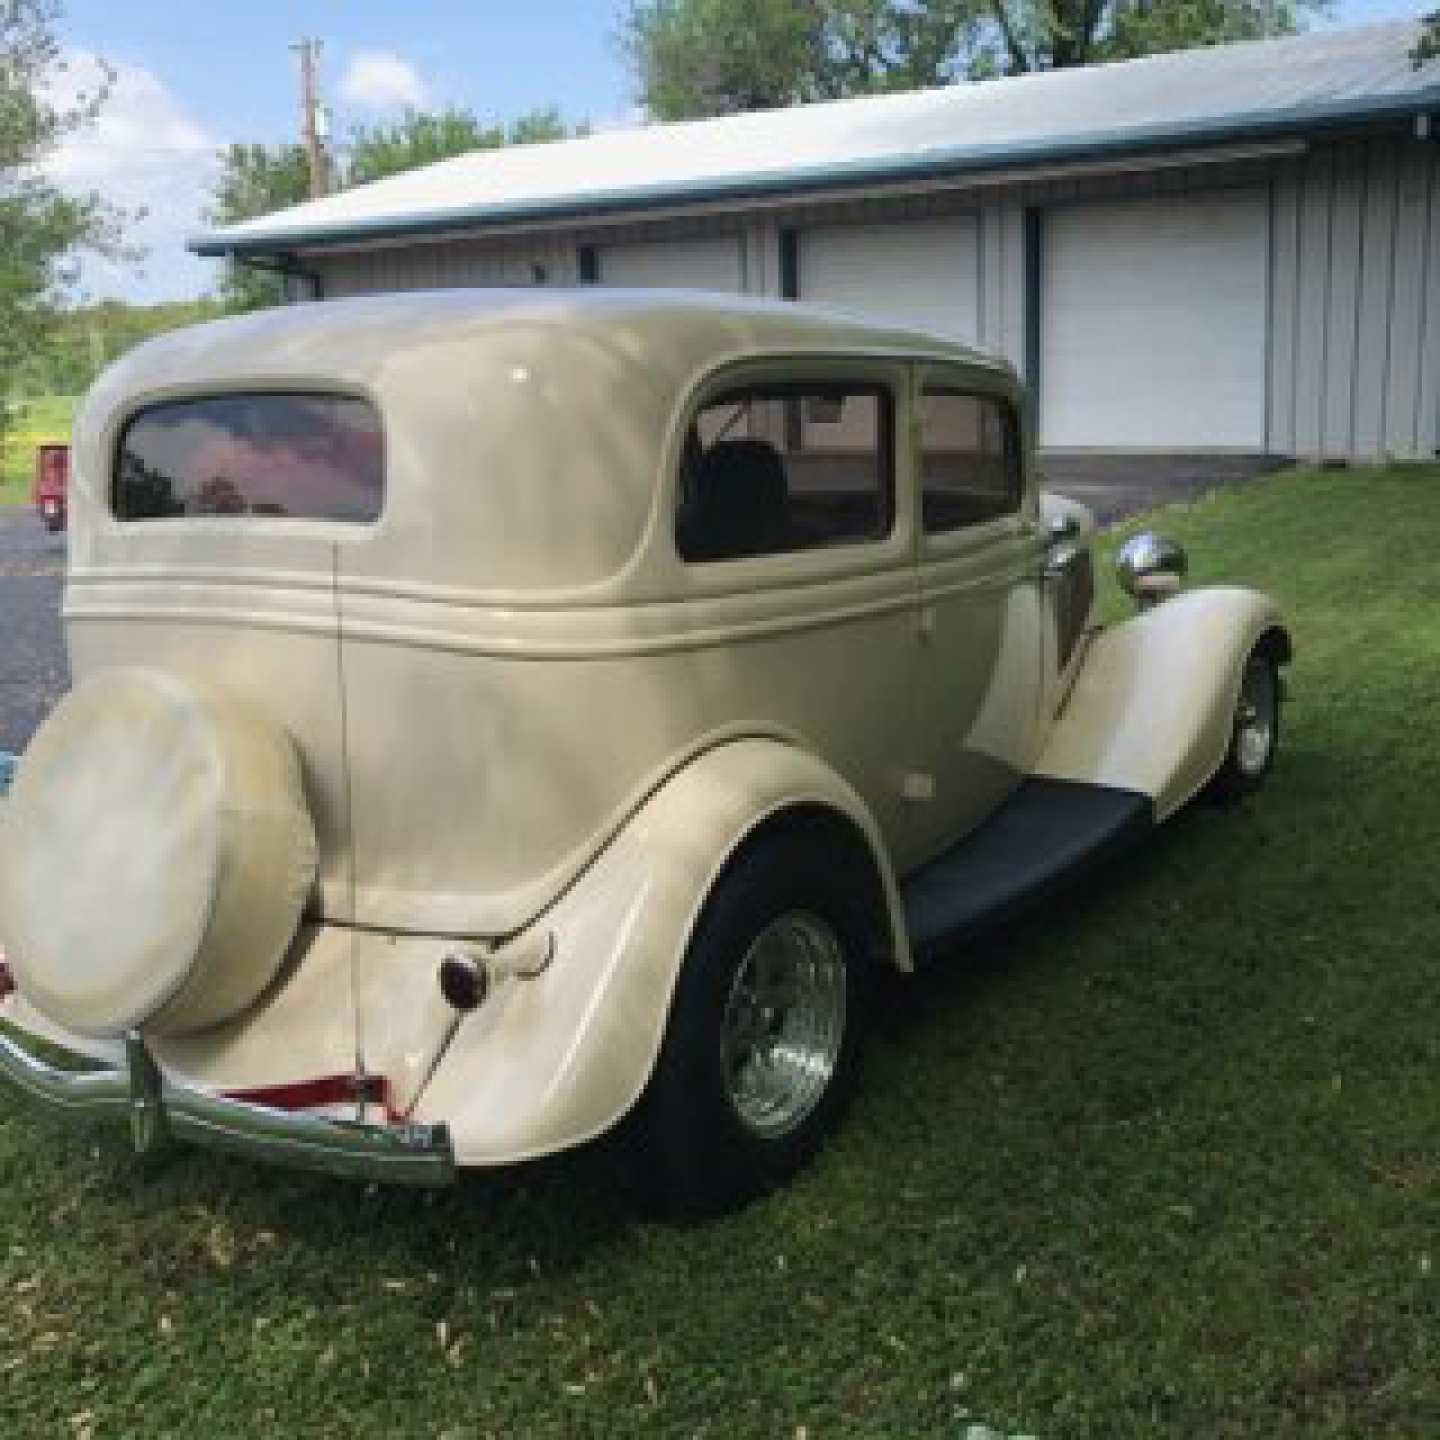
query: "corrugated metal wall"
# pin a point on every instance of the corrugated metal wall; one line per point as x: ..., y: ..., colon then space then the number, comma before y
x: 1355, y: 302
x: 1354, y: 325
x: 1002, y: 280
x: 455, y: 263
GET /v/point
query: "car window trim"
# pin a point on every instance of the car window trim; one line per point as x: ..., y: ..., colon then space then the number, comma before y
x: 968, y: 389
x: 347, y: 529
x: 868, y: 374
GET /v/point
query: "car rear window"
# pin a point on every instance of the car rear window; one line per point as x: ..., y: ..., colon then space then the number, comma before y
x: 287, y: 456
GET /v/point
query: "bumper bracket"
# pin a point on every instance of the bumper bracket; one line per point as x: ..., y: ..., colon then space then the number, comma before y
x: 161, y: 1110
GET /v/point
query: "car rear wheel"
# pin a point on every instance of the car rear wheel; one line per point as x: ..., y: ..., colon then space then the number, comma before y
x: 1255, y: 730
x: 761, y: 1052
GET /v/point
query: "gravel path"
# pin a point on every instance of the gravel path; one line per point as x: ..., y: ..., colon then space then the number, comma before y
x: 34, y: 672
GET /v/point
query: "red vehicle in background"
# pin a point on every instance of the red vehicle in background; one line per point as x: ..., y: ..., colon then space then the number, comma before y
x: 52, y: 479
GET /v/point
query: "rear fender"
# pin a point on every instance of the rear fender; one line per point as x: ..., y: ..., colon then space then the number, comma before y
x: 550, y: 1061
x: 1153, y: 706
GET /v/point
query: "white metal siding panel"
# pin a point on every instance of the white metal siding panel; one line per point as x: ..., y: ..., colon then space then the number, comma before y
x: 712, y: 264
x: 1402, y: 416
x: 1314, y: 288
x: 341, y: 277
x: 426, y: 267
x: 1002, y: 280
x: 1154, y: 314
x: 1012, y: 289
x: 1377, y: 285
x: 919, y: 273
x: 1344, y: 300
x: 762, y: 257
x: 1284, y: 275
x: 991, y: 326
x: 1353, y: 295
x: 1428, y: 389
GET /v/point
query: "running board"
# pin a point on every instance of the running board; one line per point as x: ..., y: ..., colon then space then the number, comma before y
x: 1046, y: 832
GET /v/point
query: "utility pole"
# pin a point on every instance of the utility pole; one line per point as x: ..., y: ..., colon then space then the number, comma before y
x: 310, y: 117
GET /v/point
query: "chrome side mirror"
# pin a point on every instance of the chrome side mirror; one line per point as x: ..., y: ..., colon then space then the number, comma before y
x: 1151, y: 568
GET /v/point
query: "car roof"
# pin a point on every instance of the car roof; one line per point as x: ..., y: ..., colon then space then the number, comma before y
x: 525, y: 430
x: 356, y: 337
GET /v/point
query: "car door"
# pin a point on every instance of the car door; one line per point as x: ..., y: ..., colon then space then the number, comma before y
x: 979, y: 569
x: 795, y: 529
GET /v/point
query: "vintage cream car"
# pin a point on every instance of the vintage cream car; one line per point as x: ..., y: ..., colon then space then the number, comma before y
x: 498, y: 716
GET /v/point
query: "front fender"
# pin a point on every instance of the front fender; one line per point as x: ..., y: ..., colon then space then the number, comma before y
x: 551, y: 1061
x: 1154, y: 703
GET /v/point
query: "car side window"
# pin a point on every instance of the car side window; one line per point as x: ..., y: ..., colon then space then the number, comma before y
x: 773, y: 468
x: 969, y: 457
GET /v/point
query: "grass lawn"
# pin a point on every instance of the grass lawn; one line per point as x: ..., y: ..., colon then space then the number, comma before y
x: 39, y: 421
x: 1165, y: 1162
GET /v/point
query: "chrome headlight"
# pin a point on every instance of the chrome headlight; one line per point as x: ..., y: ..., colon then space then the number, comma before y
x: 1150, y: 567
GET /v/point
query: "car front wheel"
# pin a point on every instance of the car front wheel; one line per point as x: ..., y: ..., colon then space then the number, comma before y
x: 761, y: 1052
x: 1255, y: 730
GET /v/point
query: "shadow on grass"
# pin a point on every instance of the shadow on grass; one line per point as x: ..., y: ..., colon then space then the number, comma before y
x: 959, y: 977
x: 1092, y: 1026
x: 554, y: 1214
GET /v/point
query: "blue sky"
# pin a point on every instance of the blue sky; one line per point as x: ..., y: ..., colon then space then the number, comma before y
x: 195, y: 76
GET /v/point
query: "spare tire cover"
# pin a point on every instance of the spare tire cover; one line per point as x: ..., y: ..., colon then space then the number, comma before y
x: 155, y: 856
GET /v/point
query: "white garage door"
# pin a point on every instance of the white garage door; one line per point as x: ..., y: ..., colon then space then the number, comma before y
x: 924, y: 274
x: 1153, y: 324
x: 675, y: 265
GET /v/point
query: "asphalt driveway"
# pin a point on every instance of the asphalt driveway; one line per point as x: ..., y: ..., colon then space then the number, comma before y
x: 34, y: 672
x: 1117, y: 486
x: 33, y: 668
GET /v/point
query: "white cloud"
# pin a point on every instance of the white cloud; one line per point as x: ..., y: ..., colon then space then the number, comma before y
x: 143, y: 152
x: 382, y: 80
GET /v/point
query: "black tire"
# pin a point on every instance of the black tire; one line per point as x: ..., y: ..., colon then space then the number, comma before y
x: 693, y: 1152
x: 1241, y: 773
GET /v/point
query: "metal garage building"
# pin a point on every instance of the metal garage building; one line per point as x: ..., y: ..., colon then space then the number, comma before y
x: 1231, y: 250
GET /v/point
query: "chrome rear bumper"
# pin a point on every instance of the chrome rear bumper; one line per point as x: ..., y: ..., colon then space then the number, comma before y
x: 161, y: 1110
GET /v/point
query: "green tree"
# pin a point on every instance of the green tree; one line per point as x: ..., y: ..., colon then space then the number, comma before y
x: 1428, y: 45
x: 44, y: 229
x: 421, y: 137
x: 83, y: 339
x: 719, y: 57
x: 256, y: 180
x: 1071, y: 33
x: 260, y: 179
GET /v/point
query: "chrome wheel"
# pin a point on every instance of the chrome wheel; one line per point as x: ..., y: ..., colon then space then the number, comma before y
x: 784, y: 1023
x: 1255, y: 717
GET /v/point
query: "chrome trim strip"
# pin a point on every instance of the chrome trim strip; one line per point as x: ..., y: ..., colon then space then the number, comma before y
x: 160, y: 1109
x: 503, y: 646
